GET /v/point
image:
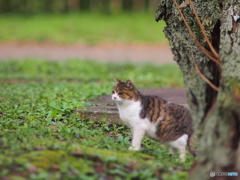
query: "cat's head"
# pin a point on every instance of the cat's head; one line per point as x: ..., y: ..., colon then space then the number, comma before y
x: 124, y: 91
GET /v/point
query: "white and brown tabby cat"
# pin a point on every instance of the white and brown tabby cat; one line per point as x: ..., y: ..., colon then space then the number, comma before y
x: 154, y: 117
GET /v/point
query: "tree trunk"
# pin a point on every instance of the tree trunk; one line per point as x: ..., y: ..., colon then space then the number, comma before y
x: 5, y: 6
x: 127, y: 5
x: 106, y: 6
x: 85, y: 5
x: 65, y: 6
x: 146, y: 5
x: 216, y: 114
x: 48, y: 6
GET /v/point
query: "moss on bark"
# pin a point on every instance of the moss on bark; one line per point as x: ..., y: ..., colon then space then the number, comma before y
x: 216, y: 114
x: 184, y: 49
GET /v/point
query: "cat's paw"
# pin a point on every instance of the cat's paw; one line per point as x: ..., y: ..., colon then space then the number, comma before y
x: 134, y: 148
x: 172, y: 151
x: 182, y: 158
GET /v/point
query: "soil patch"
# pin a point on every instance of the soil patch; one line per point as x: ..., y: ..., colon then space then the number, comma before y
x: 106, y: 109
x: 158, y: 54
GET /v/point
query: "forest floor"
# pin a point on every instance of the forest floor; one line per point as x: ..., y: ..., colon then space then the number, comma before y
x: 42, y: 136
x: 114, y: 52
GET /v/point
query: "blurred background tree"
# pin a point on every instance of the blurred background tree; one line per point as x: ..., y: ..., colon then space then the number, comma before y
x: 127, y: 5
x: 80, y: 21
x: 85, y: 5
x: 63, y: 6
x: 106, y: 6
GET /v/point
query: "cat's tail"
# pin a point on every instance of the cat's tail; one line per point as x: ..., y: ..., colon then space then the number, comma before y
x: 191, y: 146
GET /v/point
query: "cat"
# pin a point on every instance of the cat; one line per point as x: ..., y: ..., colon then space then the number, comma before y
x: 154, y: 117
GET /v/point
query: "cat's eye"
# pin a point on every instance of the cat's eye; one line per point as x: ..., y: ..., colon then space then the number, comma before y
x: 121, y: 93
x: 113, y: 92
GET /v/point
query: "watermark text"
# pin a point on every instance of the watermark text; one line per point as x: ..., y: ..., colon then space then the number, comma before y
x: 212, y: 173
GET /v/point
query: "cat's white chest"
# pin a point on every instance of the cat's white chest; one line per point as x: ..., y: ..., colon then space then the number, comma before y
x: 130, y: 115
x: 129, y: 112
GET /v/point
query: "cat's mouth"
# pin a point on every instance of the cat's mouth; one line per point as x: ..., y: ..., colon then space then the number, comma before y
x: 116, y: 99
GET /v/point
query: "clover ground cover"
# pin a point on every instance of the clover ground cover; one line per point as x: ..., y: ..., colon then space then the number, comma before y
x: 41, y: 137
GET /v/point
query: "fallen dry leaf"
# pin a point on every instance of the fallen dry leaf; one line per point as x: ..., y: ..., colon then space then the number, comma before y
x: 78, y: 153
x: 53, y: 127
x: 40, y: 148
x: 55, y: 167
x: 183, y: 5
x: 99, y: 168
x: 32, y: 169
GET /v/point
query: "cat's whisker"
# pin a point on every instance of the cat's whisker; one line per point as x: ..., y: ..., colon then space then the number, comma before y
x: 109, y: 102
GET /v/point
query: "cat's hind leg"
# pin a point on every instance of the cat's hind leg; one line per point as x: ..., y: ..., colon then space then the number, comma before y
x: 138, y: 134
x: 182, y: 154
x: 180, y: 144
x: 172, y: 151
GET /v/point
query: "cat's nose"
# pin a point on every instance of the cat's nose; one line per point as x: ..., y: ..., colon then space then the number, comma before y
x: 115, y: 98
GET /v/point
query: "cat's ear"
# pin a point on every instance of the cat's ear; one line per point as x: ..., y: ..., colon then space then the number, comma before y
x: 117, y: 80
x: 129, y: 84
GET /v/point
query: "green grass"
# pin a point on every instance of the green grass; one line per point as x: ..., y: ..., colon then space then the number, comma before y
x: 86, y: 28
x: 42, y: 138
x: 144, y: 75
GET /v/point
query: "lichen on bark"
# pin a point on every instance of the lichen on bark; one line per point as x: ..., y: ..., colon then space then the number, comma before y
x: 184, y: 49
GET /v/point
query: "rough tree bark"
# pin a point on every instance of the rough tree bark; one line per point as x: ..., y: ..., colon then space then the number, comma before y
x: 216, y: 113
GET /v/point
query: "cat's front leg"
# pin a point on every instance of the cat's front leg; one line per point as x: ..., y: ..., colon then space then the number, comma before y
x: 138, y: 134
